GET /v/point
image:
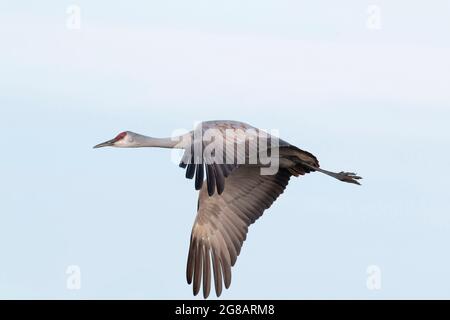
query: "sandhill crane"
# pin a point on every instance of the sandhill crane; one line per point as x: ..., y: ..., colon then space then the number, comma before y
x: 235, y: 193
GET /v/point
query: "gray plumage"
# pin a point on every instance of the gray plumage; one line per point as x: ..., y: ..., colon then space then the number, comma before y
x: 234, y: 196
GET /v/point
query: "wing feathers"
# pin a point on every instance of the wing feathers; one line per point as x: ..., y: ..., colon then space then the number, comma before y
x: 226, y: 269
x: 210, y: 179
x: 206, y: 271
x: 222, y: 222
x: 190, y: 171
x: 190, y: 263
x: 220, y: 179
x: 217, y: 273
x: 197, y: 268
x: 198, y: 176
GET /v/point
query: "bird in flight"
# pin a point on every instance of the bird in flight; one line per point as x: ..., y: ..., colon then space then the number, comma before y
x: 236, y: 192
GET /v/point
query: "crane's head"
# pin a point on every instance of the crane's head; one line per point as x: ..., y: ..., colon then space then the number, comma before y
x: 126, y: 139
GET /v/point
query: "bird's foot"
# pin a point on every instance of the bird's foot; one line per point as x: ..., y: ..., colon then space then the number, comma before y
x: 349, y: 177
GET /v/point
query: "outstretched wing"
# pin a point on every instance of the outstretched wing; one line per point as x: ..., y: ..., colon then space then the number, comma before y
x: 222, y: 223
x: 235, y: 136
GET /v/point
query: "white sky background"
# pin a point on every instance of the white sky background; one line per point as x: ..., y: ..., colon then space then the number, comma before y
x: 373, y: 101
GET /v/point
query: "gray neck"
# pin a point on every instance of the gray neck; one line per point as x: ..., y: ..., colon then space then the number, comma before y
x: 144, y: 141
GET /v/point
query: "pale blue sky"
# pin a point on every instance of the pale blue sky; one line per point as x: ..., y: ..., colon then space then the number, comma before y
x: 373, y: 101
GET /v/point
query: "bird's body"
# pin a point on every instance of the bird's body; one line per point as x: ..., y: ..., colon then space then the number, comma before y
x: 235, y: 194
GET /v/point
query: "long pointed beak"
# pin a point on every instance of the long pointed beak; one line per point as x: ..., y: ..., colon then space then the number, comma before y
x: 108, y: 143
